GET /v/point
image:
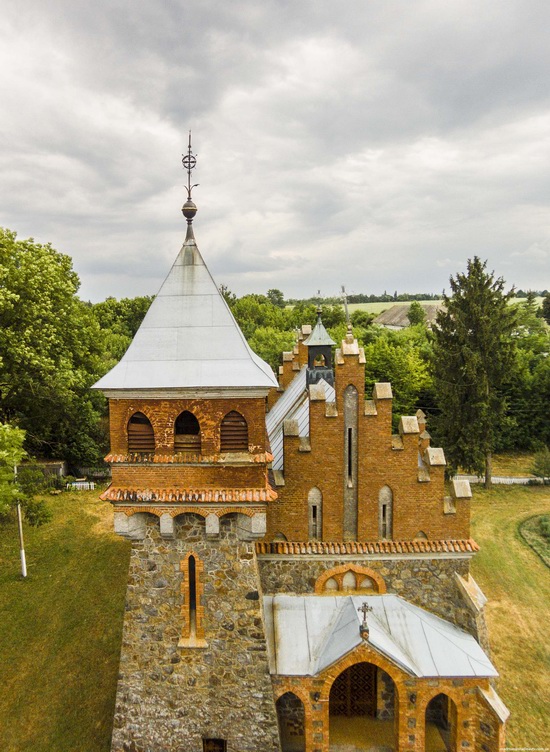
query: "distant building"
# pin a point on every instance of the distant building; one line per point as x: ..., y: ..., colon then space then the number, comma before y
x: 298, y: 580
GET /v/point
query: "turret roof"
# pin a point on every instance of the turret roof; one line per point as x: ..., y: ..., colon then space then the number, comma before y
x: 188, y: 338
x: 319, y: 335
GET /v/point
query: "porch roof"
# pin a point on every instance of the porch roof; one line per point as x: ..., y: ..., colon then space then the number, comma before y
x: 308, y: 633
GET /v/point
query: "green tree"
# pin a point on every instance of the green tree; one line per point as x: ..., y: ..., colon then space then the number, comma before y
x: 276, y: 297
x: 51, y: 353
x: 416, y: 313
x: 18, y: 487
x: 473, y: 354
x: 546, y: 307
x: 541, y: 464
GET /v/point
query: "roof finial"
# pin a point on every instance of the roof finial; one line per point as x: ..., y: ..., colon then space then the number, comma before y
x: 189, y: 162
x: 364, y: 627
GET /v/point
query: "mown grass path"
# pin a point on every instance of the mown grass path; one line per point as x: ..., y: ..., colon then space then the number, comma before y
x: 60, y: 629
x: 517, y: 584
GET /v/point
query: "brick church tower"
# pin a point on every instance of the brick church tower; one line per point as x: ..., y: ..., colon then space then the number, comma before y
x: 190, y: 490
x: 299, y: 580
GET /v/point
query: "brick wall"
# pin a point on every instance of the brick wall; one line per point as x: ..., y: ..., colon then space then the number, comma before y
x: 418, y: 505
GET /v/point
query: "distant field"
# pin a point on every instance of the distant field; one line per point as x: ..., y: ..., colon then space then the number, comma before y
x: 379, y: 307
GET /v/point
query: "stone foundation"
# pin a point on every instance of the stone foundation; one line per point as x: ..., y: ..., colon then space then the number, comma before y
x: 172, y: 696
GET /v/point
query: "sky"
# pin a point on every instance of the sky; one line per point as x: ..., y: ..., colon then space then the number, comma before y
x: 375, y: 144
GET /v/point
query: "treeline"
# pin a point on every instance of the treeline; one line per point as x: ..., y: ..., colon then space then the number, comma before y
x: 402, y: 297
x: 54, y: 346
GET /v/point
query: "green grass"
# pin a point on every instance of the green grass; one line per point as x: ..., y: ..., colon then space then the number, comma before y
x: 517, y: 584
x: 60, y: 629
x: 515, y: 464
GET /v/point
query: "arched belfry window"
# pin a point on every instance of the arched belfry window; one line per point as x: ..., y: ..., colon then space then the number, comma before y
x: 187, y: 433
x: 234, y: 433
x: 141, y: 437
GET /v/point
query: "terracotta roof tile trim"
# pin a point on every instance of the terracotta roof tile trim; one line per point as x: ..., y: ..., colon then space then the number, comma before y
x: 190, y: 495
x: 369, y: 547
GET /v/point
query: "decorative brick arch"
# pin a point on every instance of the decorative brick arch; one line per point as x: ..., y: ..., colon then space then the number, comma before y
x: 362, y: 654
x: 338, y: 574
x: 150, y: 413
x: 303, y: 695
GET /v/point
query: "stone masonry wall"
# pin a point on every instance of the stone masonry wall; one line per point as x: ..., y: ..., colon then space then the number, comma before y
x: 170, y: 698
x: 428, y: 583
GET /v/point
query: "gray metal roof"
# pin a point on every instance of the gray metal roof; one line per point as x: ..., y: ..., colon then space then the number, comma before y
x: 293, y: 404
x: 308, y: 633
x: 188, y: 337
x: 319, y: 335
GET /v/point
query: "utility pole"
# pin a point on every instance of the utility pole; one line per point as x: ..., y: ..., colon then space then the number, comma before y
x: 20, y: 526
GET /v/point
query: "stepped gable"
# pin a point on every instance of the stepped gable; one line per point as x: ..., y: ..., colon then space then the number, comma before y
x: 188, y: 338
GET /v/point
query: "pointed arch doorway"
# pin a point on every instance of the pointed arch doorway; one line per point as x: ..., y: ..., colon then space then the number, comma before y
x: 362, y: 707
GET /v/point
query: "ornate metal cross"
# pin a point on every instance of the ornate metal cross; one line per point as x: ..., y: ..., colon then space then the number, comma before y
x: 364, y: 628
x: 189, y: 162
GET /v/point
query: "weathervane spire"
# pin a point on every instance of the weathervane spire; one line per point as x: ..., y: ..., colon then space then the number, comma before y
x: 189, y: 162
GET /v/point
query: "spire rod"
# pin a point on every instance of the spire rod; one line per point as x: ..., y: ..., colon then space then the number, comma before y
x: 189, y: 162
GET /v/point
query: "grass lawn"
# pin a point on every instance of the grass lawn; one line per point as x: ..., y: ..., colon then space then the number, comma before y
x: 515, y: 464
x: 60, y: 630
x: 517, y: 584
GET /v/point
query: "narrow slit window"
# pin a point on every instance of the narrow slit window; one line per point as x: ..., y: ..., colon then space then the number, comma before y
x: 350, y: 454
x: 385, y: 513
x: 192, y: 597
x: 315, y: 514
x: 192, y: 634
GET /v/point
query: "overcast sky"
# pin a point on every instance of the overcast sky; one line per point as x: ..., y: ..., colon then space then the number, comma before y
x: 376, y: 144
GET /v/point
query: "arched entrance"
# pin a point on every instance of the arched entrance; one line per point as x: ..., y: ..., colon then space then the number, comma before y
x: 441, y: 724
x: 363, y: 709
x: 291, y: 717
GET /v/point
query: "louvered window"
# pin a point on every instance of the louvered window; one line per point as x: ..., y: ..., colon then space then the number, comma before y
x: 234, y: 433
x: 187, y: 433
x: 141, y: 438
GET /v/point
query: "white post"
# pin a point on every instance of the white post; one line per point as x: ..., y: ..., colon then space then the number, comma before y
x: 20, y: 526
x: 21, y: 543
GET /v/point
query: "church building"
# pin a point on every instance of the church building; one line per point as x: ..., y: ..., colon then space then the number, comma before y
x: 299, y: 577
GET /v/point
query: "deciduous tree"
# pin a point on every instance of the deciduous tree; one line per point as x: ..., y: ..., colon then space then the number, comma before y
x: 51, y: 352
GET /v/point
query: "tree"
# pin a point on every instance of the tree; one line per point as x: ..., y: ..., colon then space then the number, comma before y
x: 473, y: 353
x: 276, y: 297
x: 416, y: 313
x: 546, y: 308
x: 13, y: 488
x: 51, y: 349
x: 541, y: 464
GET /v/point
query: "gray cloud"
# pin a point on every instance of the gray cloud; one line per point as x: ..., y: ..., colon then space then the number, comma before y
x: 377, y: 145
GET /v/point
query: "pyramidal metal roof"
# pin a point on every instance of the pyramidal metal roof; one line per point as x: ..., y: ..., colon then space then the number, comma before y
x: 319, y: 335
x: 188, y: 338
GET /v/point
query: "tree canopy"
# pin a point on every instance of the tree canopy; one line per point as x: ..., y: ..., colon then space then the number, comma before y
x: 51, y: 351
